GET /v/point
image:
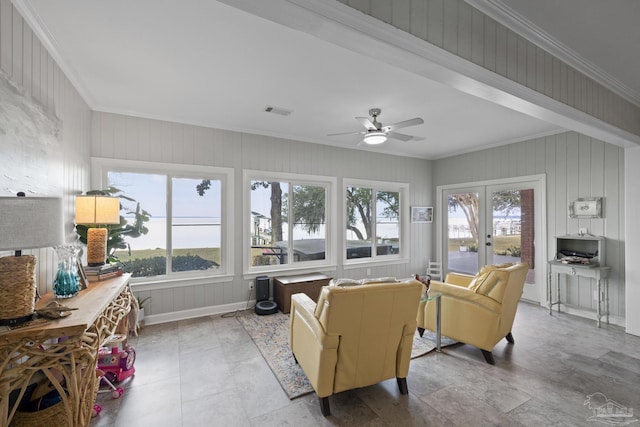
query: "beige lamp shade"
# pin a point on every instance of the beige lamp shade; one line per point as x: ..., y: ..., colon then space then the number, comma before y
x: 25, y: 223
x: 96, y: 210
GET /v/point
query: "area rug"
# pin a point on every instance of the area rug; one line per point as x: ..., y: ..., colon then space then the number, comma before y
x: 271, y: 336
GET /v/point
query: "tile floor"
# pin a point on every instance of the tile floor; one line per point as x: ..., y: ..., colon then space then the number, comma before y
x: 208, y: 372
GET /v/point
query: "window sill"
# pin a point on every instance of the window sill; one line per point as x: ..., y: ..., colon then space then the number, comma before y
x: 166, y: 282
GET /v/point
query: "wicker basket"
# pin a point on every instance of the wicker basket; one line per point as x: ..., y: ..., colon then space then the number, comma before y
x: 52, y: 416
x: 17, y: 286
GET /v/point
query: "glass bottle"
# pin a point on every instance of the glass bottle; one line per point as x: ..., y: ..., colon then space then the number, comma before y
x: 67, y: 281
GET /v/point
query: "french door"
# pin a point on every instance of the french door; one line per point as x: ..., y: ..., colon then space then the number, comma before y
x: 493, y: 223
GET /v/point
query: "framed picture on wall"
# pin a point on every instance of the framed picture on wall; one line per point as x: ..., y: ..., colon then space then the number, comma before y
x: 421, y: 214
x: 584, y: 207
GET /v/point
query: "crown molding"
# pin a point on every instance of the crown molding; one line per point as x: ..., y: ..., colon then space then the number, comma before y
x: 37, y: 25
x: 511, y: 19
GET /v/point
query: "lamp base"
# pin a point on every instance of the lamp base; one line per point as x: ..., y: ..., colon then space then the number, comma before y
x: 17, y: 288
x: 96, y: 246
x: 16, y: 321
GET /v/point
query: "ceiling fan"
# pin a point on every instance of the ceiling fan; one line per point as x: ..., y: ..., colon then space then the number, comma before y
x: 377, y: 134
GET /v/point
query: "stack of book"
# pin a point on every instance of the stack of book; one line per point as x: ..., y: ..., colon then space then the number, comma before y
x: 102, y: 272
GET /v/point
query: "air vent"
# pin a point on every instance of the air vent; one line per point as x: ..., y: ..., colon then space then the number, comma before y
x: 277, y: 110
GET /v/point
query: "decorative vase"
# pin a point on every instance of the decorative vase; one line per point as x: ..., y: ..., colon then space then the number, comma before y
x: 67, y: 281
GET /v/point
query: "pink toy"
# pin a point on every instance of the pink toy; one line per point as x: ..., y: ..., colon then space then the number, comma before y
x: 115, y: 364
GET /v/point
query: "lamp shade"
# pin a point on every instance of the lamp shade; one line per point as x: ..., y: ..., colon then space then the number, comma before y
x: 30, y: 222
x: 97, y: 210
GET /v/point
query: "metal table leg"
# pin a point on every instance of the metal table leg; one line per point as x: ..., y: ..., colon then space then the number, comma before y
x: 438, y: 322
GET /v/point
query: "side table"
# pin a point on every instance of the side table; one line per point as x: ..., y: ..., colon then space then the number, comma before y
x: 437, y: 296
x: 68, y: 346
x: 309, y: 284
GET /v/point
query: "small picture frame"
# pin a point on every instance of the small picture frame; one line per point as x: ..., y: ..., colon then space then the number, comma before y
x: 422, y: 214
x: 586, y: 207
x: 84, y: 283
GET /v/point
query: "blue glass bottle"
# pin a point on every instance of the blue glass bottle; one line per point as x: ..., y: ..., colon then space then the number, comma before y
x: 67, y: 281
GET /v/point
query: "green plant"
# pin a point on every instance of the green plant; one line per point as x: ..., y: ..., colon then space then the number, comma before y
x: 142, y: 301
x: 131, y: 226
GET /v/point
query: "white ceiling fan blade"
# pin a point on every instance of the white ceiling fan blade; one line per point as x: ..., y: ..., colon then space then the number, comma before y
x: 404, y: 124
x: 399, y: 136
x: 366, y: 122
x: 346, y: 133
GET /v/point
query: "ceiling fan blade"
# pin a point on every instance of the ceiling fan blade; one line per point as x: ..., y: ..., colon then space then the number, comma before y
x: 367, y: 123
x: 347, y: 133
x: 404, y: 124
x: 400, y: 136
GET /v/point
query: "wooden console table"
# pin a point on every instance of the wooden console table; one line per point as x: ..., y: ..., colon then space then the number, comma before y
x: 599, y: 273
x: 67, y: 347
x: 285, y: 286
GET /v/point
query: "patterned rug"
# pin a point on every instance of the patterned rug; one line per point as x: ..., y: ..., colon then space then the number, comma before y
x: 271, y: 336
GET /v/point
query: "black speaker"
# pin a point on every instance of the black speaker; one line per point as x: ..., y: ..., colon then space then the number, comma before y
x: 262, y: 288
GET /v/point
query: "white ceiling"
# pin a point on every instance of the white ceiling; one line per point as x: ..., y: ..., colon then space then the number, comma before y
x: 206, y: 63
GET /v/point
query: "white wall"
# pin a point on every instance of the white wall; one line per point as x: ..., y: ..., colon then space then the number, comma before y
x: 466, y: 32
x: 29, y: 65
x: 632, y: 267
x: 575, y: 166
x: 132, y: 138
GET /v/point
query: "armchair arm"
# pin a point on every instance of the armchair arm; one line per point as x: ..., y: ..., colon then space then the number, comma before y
x: 463, y: 293
x: 315, y: 351
x: 458, y: 279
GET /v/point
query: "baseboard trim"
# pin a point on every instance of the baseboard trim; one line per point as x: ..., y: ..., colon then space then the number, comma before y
x: 174, y: 316
x: 587, y: 314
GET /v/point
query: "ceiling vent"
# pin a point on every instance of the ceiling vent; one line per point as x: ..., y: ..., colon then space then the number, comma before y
x: 277, y: 110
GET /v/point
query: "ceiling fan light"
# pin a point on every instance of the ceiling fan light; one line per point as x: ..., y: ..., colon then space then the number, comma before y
x: 374, y: 138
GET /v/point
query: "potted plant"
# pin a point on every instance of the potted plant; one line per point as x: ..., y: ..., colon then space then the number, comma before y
x: 140, y: 318
x: 127, y: 228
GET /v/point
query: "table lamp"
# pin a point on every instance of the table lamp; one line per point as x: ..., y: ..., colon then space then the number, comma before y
x: 97, y: 210
x: 25, y: 223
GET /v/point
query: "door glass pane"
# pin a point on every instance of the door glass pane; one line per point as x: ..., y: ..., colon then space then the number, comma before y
x: 513, y: 228
x: 462, y: 222
x: 196, y: 225
x: 309, y: 228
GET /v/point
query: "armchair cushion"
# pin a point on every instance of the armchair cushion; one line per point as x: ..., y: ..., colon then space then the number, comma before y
x: 490, y: 282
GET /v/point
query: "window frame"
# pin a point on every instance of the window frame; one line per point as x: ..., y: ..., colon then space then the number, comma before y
x: 404, y: 221
x: 330, y: 183
x: 100, y: 167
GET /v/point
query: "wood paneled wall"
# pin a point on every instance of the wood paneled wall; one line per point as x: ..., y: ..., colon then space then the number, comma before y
x: 27, y: 62
x: 456, y: 27
x: 132, y: 138
x: 575, y: 166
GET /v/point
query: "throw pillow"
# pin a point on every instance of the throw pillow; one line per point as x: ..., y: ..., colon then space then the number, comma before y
x: 344, y: 282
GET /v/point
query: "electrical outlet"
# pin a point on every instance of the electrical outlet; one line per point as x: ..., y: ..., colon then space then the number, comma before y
x: 368, y: 272
x: 251, y: 285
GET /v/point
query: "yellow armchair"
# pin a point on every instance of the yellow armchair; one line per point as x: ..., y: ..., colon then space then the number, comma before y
x: 477, y: 310
x: 354, y: 336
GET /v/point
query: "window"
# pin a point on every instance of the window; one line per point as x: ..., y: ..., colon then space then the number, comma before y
x: 289, y: 221
x: 189, y: 217
x: 374, y: 229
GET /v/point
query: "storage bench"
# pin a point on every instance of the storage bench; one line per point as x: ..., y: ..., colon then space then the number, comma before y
x: 285, y: 286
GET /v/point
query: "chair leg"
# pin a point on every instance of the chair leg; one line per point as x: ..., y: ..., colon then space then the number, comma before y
x: 510, y: 339
x: 402, y: 385
x: 420, y: 331
x: 324, y: 406
x: 488, y: 357
x: 295, y: 358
